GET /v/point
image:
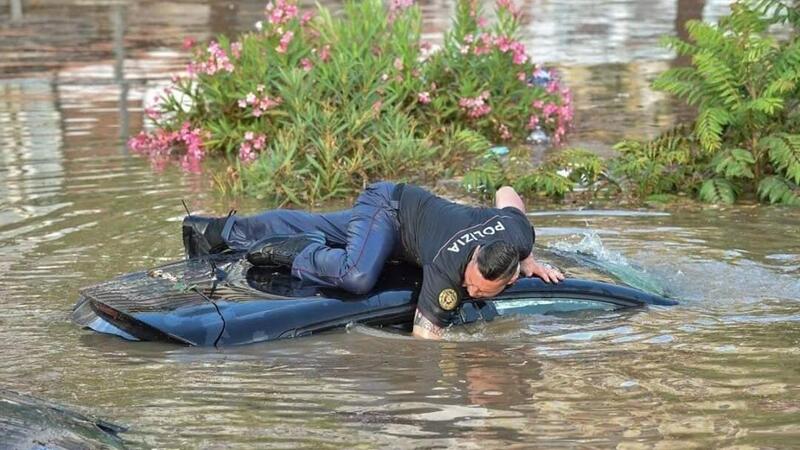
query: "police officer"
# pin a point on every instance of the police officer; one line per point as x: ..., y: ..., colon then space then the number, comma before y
x: 463, y: 250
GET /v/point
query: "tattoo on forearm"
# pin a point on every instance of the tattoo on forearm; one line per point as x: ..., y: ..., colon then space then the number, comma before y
x: 423, y: 322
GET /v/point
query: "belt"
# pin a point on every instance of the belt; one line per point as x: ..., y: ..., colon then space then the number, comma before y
x: 398, y: 191
x: 397, y: 194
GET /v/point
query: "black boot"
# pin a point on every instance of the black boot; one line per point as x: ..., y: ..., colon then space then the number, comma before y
x: 281, y: 250
x: 203, y: 235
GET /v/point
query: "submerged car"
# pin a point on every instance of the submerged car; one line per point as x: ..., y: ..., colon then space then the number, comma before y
x: 224, y: 300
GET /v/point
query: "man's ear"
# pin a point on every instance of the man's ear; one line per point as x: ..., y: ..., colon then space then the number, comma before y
x: 475, y: 253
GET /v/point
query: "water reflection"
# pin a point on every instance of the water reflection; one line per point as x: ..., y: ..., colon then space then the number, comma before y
x: 16, y: 10
x: 585, y: 32
x: 31, y: 164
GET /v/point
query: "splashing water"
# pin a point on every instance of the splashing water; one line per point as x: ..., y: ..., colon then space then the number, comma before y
x: 591, y: 252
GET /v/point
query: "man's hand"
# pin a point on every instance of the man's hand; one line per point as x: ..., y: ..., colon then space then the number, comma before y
x: 531, y: 268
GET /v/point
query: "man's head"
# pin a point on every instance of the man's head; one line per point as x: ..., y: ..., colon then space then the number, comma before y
x: 491, y: 268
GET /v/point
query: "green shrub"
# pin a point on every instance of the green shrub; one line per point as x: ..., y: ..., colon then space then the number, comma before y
x: 311, y: 107
x: 557, y: 176
x: 744, y: 82
x: 666, y: 164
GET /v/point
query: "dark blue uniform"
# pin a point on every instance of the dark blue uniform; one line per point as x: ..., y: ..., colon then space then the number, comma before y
x: 440, y: 236
x: 391, y: 221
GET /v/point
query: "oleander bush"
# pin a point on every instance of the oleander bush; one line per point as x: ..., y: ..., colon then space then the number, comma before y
x: 744, y: 81
x: 311, y: 106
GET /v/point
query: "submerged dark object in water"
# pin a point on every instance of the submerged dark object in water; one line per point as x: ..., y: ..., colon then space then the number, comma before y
x: 227, y: 301
x: 30, y: 423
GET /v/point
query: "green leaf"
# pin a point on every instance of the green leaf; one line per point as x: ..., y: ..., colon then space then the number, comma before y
x: 735, y: 163
x: 777, y: 189
x: 544, y: 181
x: 709, y: 127
x: 718, y: 190
x: 784, y: 152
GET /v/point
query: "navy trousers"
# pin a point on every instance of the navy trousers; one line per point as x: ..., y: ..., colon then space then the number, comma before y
x: 359, y: 240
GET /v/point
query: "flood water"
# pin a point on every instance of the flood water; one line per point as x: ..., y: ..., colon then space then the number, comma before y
x: 720, y: 370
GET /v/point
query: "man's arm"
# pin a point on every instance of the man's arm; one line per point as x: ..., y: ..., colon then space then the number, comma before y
x: 425, y: 329
x: 507, y: 196
x: 438, y: 299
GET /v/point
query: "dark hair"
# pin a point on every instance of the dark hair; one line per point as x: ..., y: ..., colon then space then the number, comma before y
x: 498, y: 260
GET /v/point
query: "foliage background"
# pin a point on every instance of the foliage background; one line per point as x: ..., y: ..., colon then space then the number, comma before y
x: 310, y: 106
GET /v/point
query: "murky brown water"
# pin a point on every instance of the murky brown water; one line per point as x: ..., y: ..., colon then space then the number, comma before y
x: 721, y: 370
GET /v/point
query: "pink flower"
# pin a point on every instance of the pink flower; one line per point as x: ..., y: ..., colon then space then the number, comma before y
x: 259, y: 142
x: 158, y: 146
x: 521, y: 76
x: 236, y: 49
x: 396, y: 7
x: 248, y: 136
x: 268, y: 103
x: 565, y: 114
x: 538, y: 104
x: 519, y: 53
x: 325, y: 53
x: 401, y: 4
x: 504, y: 133
x: 307, y: 16
x: 503, y: 43
x: 534, y: 120
x: 476, y: 107
x: 509, y: 6
x: 484, y: 44
x: 559, y: 134
x: 286, y: 39
x: 398, y: 63
x: 306, y: 64
x: 259, y: 105
x: 246, y: 153
x: 482, y: 22
x: 566, y: 94
x: 188, y: 42
x: 424, y: 97
x: 152, y: 113
x: 376, y: 107
x: 217, y: 61
x: 549, y: 109
x: 191, y: 137
x: 280, y: 12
